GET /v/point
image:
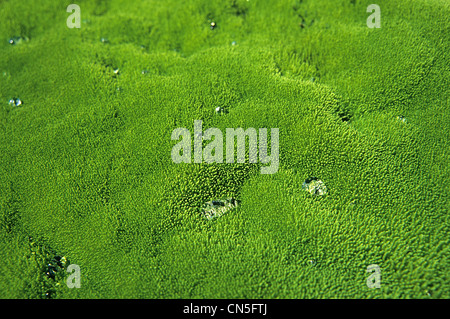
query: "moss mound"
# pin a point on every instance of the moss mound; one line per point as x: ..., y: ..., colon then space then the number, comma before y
x: 86, y: 171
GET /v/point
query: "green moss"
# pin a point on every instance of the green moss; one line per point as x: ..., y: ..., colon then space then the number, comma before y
x: 85, y: 161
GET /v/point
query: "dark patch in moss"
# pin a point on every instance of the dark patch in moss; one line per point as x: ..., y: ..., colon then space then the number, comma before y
x: 112, y: 121
x: 101, y: 7
x: 10, y: 215
x: 104, y: 191
x: 343, y: 111
x: 52, y: 269
x: 238, y: 8
x: 297, y: 250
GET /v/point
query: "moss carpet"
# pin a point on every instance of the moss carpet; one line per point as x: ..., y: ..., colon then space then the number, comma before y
x: 86, y: 172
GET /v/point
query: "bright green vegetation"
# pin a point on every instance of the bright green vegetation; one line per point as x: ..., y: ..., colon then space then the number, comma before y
x: 86, y: 171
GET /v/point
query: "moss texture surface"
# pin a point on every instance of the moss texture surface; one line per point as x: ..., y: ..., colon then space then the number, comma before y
x: 86, y: 171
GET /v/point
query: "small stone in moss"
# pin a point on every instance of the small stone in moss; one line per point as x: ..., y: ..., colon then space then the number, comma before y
x: 17, y: 40
x: 401, y: 118
x: 15, y: 102
x: 216, y: 208
x: 314, y: 186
